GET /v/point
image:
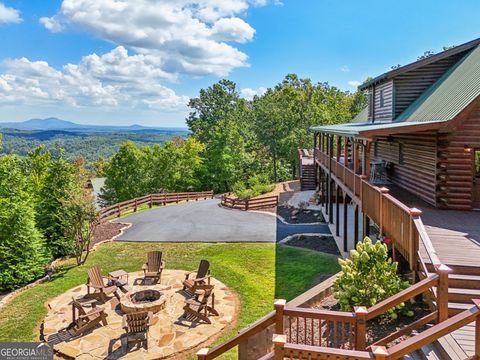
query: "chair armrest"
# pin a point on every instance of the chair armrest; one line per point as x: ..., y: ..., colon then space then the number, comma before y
x: 187, y: 274
x: 202, y: 279
x: 94, y: 312
x: 95, y: 286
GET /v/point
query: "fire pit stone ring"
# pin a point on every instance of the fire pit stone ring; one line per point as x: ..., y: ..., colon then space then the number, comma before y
x: 143, y: 300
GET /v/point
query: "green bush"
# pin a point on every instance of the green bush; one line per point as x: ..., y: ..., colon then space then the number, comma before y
x: 259, y: 184
x: 369, y: 277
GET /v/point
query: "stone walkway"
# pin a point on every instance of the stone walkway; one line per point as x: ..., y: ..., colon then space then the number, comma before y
x: 170, y: 334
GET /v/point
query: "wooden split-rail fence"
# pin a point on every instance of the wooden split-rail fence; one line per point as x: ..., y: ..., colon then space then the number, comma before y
x: 228, y: 200
x: 117, y: 210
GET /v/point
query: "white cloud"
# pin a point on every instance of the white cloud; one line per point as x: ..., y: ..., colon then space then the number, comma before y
x: 249, y: 93
x: 192, y: 37
x: 9, y: 15
x: 354, y: 83
x: 344, y: 68
x: 114, y: 79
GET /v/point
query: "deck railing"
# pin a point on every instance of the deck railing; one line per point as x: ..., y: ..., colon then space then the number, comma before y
x: 394, y: 219
x: 284, y: 349
x: 120, y: 208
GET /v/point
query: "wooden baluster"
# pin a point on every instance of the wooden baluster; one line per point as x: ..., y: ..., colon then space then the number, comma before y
x: 383, y: 190
x: 413, y: 235
x: 279, y: 341
x: 360, y: 327
x: 442, y: 292
x: 279, y: 305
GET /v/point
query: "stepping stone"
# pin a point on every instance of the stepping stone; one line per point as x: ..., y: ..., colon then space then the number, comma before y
x: 166, y: 339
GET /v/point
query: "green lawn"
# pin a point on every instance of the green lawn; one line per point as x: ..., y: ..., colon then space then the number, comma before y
x: 257, y: 272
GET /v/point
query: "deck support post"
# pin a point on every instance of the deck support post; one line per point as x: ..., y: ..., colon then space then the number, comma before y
x: 202, y: 354
x: 327, y: 194
x: 279, y: 341
x: 361, y: 327
x: 337, y: 212
x: 442, y: 292
x: 380, y: 352
x: 366, y: 225
x: 477, y: 331
x: 383, y: 190
x: 355, y: 232
x: 345, y: 222
x: 330, y: 202
x: 279, y: 305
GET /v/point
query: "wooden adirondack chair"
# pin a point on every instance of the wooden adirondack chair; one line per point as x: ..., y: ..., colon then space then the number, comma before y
x: 83, y: 321
x: 97, y: 282
x: 153, y: 268
x: 136, y: 326
x: 197, y: 308
x: 201, y: 280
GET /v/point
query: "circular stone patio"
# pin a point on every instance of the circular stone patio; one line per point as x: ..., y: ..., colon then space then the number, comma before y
x: 169, y: 335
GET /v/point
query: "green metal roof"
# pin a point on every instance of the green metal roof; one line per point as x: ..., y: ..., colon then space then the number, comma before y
x: 358, y: 129
x: 362, y: 116
x: 449, y: 95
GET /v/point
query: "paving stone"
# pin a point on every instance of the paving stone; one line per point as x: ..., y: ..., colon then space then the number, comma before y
x: 169, y: 335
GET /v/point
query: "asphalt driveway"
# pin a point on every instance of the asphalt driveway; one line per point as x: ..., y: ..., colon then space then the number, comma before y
x: 206, y: 221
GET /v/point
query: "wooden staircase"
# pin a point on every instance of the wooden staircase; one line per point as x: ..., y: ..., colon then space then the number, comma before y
x: 307, y: 178
x: 463, y: 287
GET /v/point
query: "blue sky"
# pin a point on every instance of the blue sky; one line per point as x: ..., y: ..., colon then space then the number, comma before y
x: 139, y: 61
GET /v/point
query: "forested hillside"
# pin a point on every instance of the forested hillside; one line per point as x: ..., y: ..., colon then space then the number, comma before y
x: 87, y: 145
x: 232, y: 140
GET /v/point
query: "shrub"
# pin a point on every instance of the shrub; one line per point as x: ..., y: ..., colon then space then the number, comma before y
x: 368, y: 277
x: 241, y: 191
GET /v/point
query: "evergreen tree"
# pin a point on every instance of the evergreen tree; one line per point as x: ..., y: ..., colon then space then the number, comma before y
x: 23, y: 256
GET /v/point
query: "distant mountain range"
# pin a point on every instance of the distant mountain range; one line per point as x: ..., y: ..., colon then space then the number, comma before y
x: 59, y: 124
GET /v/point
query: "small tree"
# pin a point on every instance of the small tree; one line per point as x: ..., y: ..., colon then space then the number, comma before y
x: 368, y: 277
x: 81, y: 214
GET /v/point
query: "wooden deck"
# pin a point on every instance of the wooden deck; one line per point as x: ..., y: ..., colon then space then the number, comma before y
x: 456, y: 238
x: 454, y: 234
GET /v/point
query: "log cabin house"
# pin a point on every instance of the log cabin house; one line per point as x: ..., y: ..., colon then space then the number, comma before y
x: 408, y: 165
x: 420, y: 130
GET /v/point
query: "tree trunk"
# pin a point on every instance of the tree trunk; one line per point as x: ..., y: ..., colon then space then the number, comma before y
x: 274, y: 167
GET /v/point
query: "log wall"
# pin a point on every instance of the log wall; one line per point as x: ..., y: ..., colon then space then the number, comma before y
x: 415, y: 169
x: 455, y: 163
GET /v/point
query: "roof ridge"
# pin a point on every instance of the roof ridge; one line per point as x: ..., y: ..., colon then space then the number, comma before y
x: 422, y: 62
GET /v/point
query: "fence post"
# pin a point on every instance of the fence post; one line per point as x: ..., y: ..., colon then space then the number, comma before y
x: 202, y: 354
x: 383, y: 190
x: 279, y: 308
x: 177, y: 198
x: 278, y: 346
x: 477, y: 331
x: 119, y: 210
x: 380, y: 352
x: 442, y: 292
x: 151, y: 201
x: 360, y: 327
x: 135, y: 205
x: 246, y: 204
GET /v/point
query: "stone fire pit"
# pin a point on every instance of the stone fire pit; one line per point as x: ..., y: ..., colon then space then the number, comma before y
x: 170, y: 334
x: 143, y: 300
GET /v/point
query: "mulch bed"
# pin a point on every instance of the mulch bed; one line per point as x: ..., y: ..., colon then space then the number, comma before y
x: 299, y: 216
x: 106, y: 231
x: 325, y: 244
